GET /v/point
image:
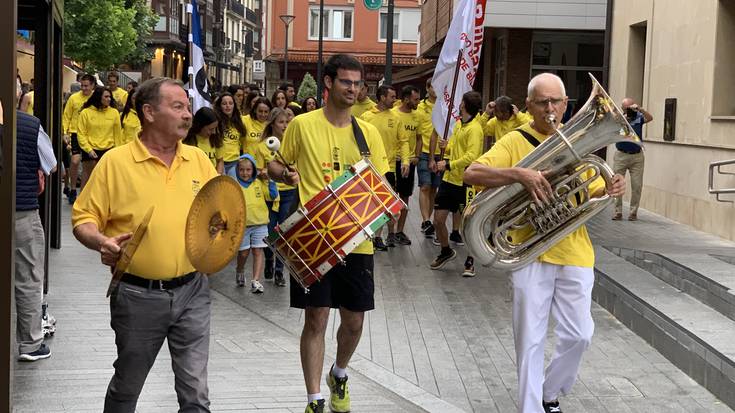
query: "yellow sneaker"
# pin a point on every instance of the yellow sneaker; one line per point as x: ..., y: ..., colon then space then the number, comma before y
x: 315, y: 406
x: 339, y: 401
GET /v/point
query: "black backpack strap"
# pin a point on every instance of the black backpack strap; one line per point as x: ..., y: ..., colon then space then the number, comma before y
x: 360, y: 139
x: 530, y: 138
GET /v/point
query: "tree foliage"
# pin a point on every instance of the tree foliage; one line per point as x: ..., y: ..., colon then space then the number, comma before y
x: 143, y: 23
x: 307, y: 88
x: 99, y: 34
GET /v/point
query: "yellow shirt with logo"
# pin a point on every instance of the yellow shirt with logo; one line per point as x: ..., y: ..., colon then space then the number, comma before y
x: 98, y: 129
x: 232, y: 144
x: 390, y: 128
x: 464, y: 147
x: 426, y: 127
x: 255, y: 197
x: 322, y: 152
x: 410, y: 122
x: 126, y: 182
x: 499, y: 128
x: 254, y: 130
x: 71, y: 112
x: 358, y: 108
x: 121, y: 96
x: 130, y: 128
x: 576, y: 249
x: 213, y: 154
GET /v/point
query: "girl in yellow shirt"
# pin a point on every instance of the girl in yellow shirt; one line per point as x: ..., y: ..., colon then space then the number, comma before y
x: 129, y: 121
x: 232, y: 129
x: 279, y: 99
x: 98, y: 129
x: 205, y: 135
x: 254, y: 123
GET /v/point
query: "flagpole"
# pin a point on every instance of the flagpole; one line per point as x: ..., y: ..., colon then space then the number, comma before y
x: 451, y: 101
x: 189, y: 12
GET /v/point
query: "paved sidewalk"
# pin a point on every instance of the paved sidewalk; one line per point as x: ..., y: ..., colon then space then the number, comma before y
x: 441, y: 341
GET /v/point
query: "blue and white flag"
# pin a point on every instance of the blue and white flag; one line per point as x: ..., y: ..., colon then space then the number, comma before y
x: 199, y: 91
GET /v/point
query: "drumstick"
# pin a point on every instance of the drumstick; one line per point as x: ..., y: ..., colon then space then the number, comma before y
x: 273, y: 144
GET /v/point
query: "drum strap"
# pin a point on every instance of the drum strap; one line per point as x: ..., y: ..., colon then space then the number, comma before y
x: 360, y: 139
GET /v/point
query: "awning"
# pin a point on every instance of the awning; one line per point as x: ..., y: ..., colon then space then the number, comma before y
x: 366, y: 59
x: 413, y: 73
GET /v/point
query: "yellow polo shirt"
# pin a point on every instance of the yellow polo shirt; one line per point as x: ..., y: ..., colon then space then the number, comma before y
x: 410, y: 123
x: 130, y: 128
x: 322, y: 152
x: 98, y: 129
x: 576, y: 248
x: 71, y: 112
x: 358, y: 108
x: 121, y: 96
x: 254, y: 130
x: 465, y: 146
x: 499, y: 128
x: 29, y: 109
x: 232, y: 144
x: 125, y: 183
x: 426, y: 127
x: 390, y: 128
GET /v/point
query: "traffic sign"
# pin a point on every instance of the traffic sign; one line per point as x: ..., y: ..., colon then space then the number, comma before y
x: 373, y: 4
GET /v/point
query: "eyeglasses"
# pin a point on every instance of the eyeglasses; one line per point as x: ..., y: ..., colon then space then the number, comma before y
x: 555, y: 102
x: 348, y: 83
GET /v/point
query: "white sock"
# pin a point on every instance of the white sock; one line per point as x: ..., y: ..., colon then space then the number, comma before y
x: 338, y: 372
x: 315, y: 396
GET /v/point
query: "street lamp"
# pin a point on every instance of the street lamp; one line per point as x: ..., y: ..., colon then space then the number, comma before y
x: 286, y: 19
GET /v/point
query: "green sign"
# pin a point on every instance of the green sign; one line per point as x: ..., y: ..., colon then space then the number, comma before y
x: 373, y: 4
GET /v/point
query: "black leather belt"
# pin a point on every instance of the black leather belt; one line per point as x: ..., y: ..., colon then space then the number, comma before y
x: 158, y: 284
x: 628, y: 152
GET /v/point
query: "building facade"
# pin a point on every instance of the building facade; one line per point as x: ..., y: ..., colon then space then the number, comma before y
x: 680, y: 53
x: 348, y: 27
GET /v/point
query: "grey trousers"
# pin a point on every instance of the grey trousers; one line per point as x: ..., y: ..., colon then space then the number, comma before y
x: 142, y: 319
x: 29, y: 258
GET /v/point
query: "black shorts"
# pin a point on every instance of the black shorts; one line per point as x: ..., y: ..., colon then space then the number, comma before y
x: 350, y: 286
x: 99, y: 152
x: 391, y: 178
x: 451, y: 197
x: 404, y: 186
x: 66, y: 157
x: 75, y: 148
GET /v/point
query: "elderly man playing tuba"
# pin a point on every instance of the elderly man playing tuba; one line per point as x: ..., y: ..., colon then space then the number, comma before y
x: 560, y: 281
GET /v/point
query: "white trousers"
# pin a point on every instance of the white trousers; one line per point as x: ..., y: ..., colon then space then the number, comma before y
x: 565, y: 292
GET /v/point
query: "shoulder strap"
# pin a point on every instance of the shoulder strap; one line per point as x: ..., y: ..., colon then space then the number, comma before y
x: 530, y: 138
x: 360, y: 138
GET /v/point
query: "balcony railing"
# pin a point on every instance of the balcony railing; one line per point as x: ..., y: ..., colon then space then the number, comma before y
x: 236, y: 8
x: 251, y: 16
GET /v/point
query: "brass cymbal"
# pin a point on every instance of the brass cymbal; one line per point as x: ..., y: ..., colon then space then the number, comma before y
x: 215, y: 225
x: 129, y: 250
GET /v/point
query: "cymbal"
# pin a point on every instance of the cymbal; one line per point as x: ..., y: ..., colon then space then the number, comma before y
x: 128, y: 251
x: 215, y: 225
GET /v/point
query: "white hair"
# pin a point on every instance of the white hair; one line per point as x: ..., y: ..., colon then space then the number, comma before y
x: 544, y: 76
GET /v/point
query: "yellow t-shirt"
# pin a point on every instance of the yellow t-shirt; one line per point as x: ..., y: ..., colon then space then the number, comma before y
x: 465, y: 146
x: 499, y: 128
x: 255, y: 197
x: 130, y: 128
x: 410, y: 122
x: 29, y: 108
x: 322, y: 152
x: 358, y: 108
x: 232, y: 144
x: 390, y: 128
x: 121, y: 96
x: 254, y: 130
x: 125, y: 183
x: 213, y: 154
x: 98, y: 129
x: 71, y: 112
x: 426, y: 127
x: 576, y: 248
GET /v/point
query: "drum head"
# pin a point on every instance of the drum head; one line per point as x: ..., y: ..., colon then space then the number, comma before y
x: 215, y: 225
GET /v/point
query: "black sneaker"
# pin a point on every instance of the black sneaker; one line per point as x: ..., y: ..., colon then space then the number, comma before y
x: 66, y: 190
x: 424, y: 225
x: 552, y: 407
x: 469, y: 267
x: 43, y: 352
x: 402, y: 239
x: 268, y: 272
x: 378, y: 244
x: 446, y: 255
x: 390, y: 240
x: 429, y: 231
x: 279, y: 279
x: 456, y: 238
x: 72, y: 196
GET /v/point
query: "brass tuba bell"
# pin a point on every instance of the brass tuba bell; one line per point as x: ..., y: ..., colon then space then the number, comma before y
x: 505, y: 229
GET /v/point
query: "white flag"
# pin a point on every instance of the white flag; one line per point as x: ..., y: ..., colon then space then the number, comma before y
x: 465, y: 34
x: 199, y: 91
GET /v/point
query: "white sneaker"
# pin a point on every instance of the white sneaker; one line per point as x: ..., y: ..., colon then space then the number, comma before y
x: 256, y: 287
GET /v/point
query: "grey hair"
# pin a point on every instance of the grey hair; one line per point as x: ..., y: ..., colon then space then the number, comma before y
x: 540, y: 77
x: 149, y: 92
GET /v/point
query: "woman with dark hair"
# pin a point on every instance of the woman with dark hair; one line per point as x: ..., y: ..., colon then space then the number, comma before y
x: 98, y: 128
x: 248, y: 103
x: 255, y: 122
x: 309, y: 104
x: 279, y: 99
x: 238, y: 93
x: 129, y: 121
x: 205, y: 135
x: 232, y: 129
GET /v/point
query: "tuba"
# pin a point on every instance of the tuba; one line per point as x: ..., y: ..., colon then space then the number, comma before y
x: 492, y: 222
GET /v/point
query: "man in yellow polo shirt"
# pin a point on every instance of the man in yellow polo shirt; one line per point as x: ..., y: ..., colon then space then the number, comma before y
x: 561, y: 280
x: 119, y: 94
x: 500, y: 117
x: 363, y: 102
x: 428, y: 180
x: 69, y: 121
x: 322, y: 146
x: 162, y: 297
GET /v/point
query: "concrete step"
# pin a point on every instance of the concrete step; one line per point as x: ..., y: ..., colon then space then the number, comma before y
x: 708, y: 279
x: 692, y: 335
